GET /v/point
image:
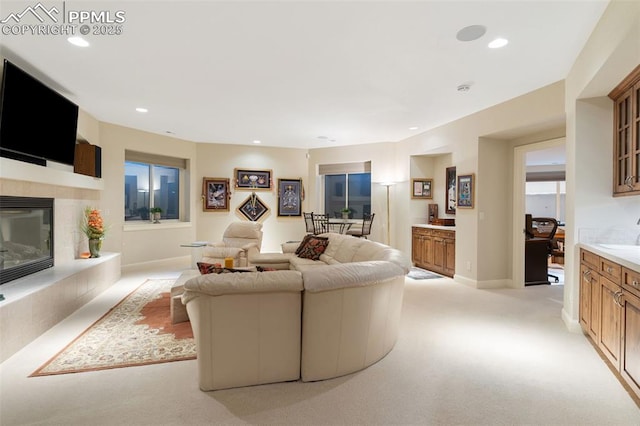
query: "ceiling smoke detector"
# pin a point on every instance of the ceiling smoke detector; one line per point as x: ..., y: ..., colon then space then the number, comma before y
x: 464, y: 88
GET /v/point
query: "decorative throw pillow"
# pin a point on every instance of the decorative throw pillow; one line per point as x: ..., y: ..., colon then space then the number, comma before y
x: 209, y: 268
x: 304, y: 242
x: 313, y: 248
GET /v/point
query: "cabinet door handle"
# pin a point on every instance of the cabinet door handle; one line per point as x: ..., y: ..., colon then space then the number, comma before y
x: 609, y: 270
x: 634, y: 283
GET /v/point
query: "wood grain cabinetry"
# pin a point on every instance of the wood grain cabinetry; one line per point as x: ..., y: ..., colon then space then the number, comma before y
x: 610, y: 313
x: 626, y: 135
x: 434, y: 250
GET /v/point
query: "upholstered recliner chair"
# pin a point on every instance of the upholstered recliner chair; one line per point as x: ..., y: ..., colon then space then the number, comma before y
x: 240, y: 241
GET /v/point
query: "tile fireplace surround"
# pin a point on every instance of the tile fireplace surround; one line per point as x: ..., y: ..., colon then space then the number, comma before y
x: 37, y: 302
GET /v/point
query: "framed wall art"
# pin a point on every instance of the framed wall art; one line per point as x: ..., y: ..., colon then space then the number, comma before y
x: 253, y: 208
x: 290, y: 197
x: 421, y: 188
x: 215, y: 194
x: 450, y: 195
x: 253, y: 179
x: 465, y: 191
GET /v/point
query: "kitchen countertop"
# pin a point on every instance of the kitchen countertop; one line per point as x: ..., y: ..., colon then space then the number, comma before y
x: 624, y: 254
x: 424, y: 225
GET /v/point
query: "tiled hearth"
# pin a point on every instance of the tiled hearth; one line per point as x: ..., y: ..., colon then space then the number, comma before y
x: 35, y: 303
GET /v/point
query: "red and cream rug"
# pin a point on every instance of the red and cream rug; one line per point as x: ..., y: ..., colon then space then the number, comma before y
x: 137, y: 331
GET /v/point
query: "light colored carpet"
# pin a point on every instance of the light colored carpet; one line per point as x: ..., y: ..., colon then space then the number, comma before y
x: 464, y: 357
x: 125, y: 337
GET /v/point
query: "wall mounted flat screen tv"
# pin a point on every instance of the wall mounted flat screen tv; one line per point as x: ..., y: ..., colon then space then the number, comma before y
x: 36, y: 122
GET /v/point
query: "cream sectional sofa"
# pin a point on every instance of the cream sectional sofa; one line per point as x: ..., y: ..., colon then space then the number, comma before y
x: 315, y: 320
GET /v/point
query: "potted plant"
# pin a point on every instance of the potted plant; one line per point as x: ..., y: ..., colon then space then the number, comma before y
x: 156, y: 212
x: 345, y: 213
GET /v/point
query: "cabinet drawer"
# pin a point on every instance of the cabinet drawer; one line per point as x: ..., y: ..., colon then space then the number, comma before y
x: 631, y: 281
x: 443, y: 234
x: 611, y: 270
x: 589, y: 258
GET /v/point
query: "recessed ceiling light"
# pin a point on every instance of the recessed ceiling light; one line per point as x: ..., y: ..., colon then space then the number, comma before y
x: 470, y: 33
x: 464, y: 88
x: 413, y: 128
x: 498, y: 43
x: 139, y: 109
x: 78, y: 41
x: 257, y: 141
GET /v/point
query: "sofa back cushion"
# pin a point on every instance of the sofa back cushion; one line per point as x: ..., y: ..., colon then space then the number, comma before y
x: 347, y: 249
x: 346, y: 275
x: 239, y: 234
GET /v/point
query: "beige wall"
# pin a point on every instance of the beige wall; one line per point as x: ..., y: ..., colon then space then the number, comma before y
x: 384, y: 168
x: 219, y: 161
x: 481, y: 144
x: 612, y: 52
x: 149, y: 242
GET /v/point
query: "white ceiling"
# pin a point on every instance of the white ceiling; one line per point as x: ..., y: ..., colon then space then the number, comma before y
x: 289, y: 72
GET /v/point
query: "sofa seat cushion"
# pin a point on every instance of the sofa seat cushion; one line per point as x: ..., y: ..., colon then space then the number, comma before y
x: 300, y: 264
x: 346, y: 275
x: 271, y: 260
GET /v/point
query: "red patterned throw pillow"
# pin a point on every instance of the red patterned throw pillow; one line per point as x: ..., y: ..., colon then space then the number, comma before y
x: 303, y: 243
x: 209, y: 268
x: 313, y: 247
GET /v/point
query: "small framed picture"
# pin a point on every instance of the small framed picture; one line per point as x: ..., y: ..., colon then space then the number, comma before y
x: 465, y: 190
x: 450, y: 191
x: 289, y: 197
x: 253, y: 179
x: 422, y: 188
x: 215, y: 194
x: 253, y: 208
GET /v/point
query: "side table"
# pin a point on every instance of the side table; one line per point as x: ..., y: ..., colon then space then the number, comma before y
x: 196, y: 252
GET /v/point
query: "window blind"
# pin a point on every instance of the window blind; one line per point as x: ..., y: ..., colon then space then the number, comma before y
x: 160, y: 160
x: 343, y: 168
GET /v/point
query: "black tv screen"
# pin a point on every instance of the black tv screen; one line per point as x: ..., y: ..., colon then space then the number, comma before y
x: 36, y: 122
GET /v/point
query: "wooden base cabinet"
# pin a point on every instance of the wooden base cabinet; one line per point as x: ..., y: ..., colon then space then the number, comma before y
x: 434, y: 250
x: 610, y: 313
x: 630, y: 354
x: 610, y: 317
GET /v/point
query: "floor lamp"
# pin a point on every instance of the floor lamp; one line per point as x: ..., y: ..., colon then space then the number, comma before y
x: 388, y: 185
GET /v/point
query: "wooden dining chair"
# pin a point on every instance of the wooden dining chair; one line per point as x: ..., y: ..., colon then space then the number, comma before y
x: 367, y: 221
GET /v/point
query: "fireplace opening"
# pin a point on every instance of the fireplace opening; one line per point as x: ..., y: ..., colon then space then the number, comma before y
x: 26, y: 236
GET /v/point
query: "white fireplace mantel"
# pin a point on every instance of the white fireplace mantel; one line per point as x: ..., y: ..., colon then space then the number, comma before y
x: 19, y: 170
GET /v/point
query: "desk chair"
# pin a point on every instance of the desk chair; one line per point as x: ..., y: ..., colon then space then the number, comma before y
x: 545, y: 228
x: 367, y: 221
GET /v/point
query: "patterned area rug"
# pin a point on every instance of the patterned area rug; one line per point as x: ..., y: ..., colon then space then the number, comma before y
x: 421, y: 274
x: 137, y: 331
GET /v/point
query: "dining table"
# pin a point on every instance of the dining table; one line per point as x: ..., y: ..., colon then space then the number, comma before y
x: 341, y: 225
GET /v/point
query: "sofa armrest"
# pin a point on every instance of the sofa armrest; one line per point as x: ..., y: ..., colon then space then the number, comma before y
x: 242, y: 283
x: 356, y: 274
x: 290, y: 247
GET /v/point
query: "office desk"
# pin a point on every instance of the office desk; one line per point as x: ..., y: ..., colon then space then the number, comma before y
x: 536, y: 255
